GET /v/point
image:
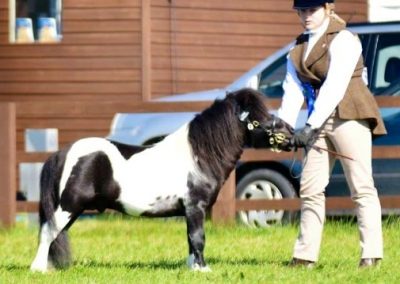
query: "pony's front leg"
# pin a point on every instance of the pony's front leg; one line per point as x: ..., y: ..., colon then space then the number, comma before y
x: 195, y: 216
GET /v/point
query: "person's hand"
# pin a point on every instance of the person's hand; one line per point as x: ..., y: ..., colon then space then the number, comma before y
x: 280, y: 134
x: 304, y: 137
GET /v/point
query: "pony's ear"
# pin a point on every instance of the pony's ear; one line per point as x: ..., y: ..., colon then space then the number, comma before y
x: 230, y: 94
x: 241, y: 101
x: 243, y: 96
x: 248, y: 98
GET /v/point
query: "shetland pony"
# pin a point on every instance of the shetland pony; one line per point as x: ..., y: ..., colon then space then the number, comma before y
x: 179, y: 176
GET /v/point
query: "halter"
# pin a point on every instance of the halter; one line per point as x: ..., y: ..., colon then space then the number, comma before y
x: 275, y: 139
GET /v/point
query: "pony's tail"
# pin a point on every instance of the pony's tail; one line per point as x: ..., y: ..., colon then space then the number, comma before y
x: 59, y: 252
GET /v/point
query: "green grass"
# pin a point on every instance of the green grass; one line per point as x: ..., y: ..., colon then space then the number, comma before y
x: 113, y: 249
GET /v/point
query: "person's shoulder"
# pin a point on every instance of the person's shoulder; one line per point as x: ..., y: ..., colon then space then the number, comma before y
x: 346, y: 33
x: 346, y: 37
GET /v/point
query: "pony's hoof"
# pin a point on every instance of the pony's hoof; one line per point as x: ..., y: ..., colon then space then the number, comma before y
x: 195, y: 266
x: 37, y: 268
x: 199, y: 268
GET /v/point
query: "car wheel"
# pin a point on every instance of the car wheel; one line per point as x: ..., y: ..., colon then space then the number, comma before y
x: 265, y: 184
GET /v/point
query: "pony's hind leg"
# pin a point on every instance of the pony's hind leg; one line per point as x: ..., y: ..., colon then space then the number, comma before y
x: 48, y: 233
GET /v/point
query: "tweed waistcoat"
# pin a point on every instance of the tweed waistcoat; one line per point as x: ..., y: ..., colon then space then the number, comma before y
x: 358, y: 102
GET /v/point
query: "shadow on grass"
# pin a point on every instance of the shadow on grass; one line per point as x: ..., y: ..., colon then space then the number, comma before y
x: 14, y: 267
x: 172, y: 264
x: 161, y: 264
x: 156, y: 265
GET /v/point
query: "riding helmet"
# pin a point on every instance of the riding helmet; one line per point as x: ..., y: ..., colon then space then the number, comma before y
x: 301, y: 4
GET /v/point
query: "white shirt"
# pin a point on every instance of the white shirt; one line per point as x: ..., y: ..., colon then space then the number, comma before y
x: 345, y: 50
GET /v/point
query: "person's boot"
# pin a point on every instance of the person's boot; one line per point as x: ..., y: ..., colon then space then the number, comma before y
x: 302, y: 262
x: 369, y: 262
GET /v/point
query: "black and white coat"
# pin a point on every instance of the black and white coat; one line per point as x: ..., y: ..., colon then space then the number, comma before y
x: 179, y: 176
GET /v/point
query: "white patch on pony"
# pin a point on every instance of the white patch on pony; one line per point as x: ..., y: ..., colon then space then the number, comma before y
x: 85, y: 147
x: 47, y: 235
x: 155, y: 173
x: 201, y: 269
x: 159, y: 172
x: 40, y: 263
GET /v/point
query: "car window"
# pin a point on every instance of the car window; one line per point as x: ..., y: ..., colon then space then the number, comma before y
x: 383, y: 69
x: 365, y: 42
x: 271, y: 78
x: 385, y: 78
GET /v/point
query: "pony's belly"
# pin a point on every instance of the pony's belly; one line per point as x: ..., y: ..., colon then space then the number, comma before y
x: 158, y: 177
x: 144, y: 194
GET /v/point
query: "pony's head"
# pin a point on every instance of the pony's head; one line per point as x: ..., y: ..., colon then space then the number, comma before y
x: 250, y: 105
x: 264, y: 129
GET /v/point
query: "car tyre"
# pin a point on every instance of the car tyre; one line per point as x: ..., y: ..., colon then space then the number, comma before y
x: 268, y: 184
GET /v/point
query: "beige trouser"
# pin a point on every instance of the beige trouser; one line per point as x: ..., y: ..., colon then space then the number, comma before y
x: 351, y: 138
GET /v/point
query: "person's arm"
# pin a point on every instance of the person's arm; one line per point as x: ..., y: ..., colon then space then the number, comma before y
x: 293, y: 98
x: 345, y: 51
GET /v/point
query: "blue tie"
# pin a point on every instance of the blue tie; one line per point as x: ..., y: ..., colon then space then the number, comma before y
x: 310, y: 96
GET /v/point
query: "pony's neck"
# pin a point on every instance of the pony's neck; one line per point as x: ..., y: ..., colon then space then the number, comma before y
x: 217, y: 138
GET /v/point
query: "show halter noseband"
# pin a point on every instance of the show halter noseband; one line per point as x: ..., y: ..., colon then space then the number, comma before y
x: 275, y: 139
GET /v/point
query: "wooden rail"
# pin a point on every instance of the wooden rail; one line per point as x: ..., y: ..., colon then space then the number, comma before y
x: 7, y: 164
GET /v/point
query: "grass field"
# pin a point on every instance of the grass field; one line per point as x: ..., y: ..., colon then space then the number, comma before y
x: 113, y: 249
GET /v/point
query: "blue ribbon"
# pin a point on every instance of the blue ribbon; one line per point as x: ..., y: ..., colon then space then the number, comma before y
x: 310, y: 96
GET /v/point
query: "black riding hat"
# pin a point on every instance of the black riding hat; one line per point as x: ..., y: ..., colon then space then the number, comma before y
x: 300, y: 4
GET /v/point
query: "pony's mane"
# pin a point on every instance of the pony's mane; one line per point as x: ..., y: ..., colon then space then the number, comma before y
x: 217, y: 135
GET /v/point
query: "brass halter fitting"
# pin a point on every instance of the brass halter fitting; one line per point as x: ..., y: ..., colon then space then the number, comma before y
x: 252, y: 125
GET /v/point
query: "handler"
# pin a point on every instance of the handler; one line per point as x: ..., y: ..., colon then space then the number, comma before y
x: 325, y: 68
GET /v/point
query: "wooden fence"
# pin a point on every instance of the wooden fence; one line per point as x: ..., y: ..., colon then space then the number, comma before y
x: 75, y: 120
